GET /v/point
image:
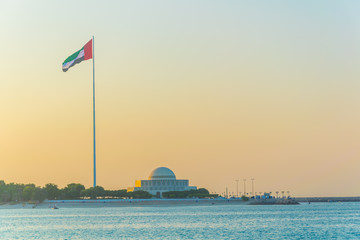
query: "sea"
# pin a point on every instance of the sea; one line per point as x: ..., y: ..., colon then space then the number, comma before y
x: 335, y: 220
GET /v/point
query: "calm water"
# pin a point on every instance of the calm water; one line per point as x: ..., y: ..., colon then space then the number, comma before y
x: 305, y: 221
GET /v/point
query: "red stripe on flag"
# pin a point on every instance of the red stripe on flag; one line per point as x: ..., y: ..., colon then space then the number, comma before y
x: 88, y: 50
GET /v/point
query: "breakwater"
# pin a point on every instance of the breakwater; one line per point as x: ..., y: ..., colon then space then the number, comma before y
x: 328, y: 199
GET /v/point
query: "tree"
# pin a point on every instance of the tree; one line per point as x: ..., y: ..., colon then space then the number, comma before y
x: 27, y: 192
x: 5, y: 196
x: 139, y: 195
x: 73, y: 190
x: 15, y: 191
x: 93, y: 192
x: 99, y: 191
x: 116, y: 193
x: 200, y: 193
x: 244, y: 198
x: 52, y: 190
x: 38, y: 194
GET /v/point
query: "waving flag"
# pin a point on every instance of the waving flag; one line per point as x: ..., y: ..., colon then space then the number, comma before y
x: 83, y: 54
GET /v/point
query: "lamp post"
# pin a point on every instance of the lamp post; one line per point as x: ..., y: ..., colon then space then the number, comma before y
x: 252, y: 185
x: 237, y: 187
x: 244, y: 186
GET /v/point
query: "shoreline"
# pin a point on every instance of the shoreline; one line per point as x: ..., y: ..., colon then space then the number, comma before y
x: 99, y: 203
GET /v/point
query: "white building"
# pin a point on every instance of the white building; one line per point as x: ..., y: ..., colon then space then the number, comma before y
x: 161, y: 180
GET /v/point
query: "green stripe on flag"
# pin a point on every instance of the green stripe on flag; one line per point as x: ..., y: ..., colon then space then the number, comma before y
x: 72, y: 57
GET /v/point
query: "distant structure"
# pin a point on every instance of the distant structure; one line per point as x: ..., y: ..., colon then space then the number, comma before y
x: 161, y: 180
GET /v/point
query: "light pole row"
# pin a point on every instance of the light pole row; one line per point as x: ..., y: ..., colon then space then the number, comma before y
x: 245, y: 193
x: 226, y: 193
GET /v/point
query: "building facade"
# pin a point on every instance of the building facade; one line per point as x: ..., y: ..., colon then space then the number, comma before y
x: 161, y: 180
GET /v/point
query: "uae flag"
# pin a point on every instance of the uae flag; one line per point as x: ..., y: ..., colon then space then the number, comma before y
x: 83, y: 54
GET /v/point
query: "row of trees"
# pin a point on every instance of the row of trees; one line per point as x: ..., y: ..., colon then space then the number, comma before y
x: 199, y: 193
x: 29, y: 192
x: 20, y: 192
x: 13, y: 192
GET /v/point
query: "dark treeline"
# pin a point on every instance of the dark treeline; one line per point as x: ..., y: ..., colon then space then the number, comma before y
x: 14, y: 192
x: 200, y: 193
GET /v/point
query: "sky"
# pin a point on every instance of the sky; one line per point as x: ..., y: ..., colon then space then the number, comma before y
x: 214, y: 90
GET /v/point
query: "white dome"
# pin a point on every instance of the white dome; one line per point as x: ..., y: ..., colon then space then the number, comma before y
x: 162, y: 173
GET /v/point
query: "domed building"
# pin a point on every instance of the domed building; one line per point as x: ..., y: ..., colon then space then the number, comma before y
x: 161, y: 180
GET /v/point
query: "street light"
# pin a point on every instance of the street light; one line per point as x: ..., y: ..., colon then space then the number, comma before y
x: 244, y: 186
x: 252, y: 185
x: 237, y: 187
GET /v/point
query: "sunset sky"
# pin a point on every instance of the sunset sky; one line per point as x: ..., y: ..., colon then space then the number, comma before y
x: 214, y: 90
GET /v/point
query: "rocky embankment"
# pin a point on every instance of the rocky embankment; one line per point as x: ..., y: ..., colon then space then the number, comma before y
x: 273, y: 201
x: 328, y: 199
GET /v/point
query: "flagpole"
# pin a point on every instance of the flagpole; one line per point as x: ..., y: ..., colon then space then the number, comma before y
x: 94, y: 144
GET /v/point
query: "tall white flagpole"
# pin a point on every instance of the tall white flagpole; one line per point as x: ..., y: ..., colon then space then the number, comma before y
x: 94, y: 144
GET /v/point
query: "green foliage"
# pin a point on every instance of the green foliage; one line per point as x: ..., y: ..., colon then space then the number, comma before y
x: 52, y: 191
x: 5, y: 196
x: 116, y: 193
x: 73, y: 191
x: 244, y: 198
x: 93, y: 192
x: 139, y: 195
x: 38, y: 194
x: 11, y: 192
x: 203, y: 191
x: 28, y: 192
x: 200, y: 193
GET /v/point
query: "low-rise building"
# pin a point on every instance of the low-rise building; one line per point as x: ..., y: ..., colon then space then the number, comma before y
x: 161, y: 180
